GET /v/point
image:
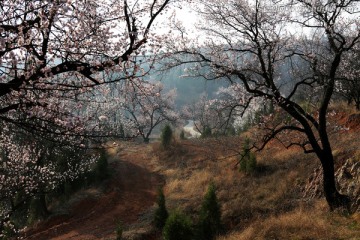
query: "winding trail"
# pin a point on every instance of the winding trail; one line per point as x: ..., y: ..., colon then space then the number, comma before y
x: 130, y: 192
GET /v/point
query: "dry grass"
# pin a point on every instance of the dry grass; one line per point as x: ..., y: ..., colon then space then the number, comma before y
x: 189, y: 187
x: 275, y: 187
x: 344, y: 107
x: 265, y: 205
x: 300, y: 223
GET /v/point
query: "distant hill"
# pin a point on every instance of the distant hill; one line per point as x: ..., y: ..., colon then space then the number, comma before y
x: 188, y: 88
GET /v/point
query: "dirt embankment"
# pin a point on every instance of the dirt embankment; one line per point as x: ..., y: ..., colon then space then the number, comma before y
x: 130, y: 192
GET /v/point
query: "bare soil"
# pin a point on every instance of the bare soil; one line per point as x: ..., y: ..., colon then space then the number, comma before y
x: 128, y: 194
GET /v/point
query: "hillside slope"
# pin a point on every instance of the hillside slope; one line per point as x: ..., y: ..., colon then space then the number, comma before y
x: 271, y: 203
x: 95, y: 213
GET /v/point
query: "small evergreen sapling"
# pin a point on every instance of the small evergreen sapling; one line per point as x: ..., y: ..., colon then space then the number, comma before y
x: 251, y: 164
x: 119, y: 230
x: 206, y: 132
x: 182, y: 135
x: 247, y: 160
x: 101, y: 169
x: 209, y: 225
x: 161, y: 213
x: 178, y: 226
x: 166, y: 137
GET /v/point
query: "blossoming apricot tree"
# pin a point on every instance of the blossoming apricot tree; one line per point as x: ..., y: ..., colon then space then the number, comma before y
x: 249, y: 42
x: 53, y: 54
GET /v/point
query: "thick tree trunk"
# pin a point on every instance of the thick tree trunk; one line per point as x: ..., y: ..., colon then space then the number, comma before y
x: 38, y: 208
x: 43, y: 212
x: 334, y: 199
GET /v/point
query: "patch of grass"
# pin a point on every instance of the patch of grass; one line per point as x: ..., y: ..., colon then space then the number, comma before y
x: 300, y: 223
x: 357, y: 155
x: 273, y: 189
x: 266, y: 205
x: 345, y: 108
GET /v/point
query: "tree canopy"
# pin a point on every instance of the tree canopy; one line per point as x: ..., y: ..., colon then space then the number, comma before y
x: 249, y: 43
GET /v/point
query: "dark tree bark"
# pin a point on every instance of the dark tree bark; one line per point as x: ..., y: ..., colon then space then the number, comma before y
x: 42, y: 210
x: 333, y: 197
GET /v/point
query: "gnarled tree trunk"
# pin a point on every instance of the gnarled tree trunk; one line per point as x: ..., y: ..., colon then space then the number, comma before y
x: 334, y: 199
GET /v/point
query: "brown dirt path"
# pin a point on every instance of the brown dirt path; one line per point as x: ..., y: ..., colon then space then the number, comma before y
x: 130, y: 192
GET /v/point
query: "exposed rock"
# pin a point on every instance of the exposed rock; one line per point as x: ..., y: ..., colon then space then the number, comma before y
x: 314, y: 186
x: 348, y: 179
x: 348, y: 183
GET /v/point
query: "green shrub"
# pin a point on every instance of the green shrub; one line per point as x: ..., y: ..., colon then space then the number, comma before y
x: 121, y: 131
x: 161, y: 213
x: 119, y: 230
x: 182, y: 135
x: 101, y: 169
x: 257, y: 117
x: 251, y: 164
x: 247, y: 160
x: 230, y: 131
x: 178, y: 227
x: 7, y: 231
x: 271, y: 108
x: 244, y: 154
x: 166, y: 136
x: 206, y: 132
x: 68, y: 190
x: 242, y: 167
x: 209, y: 225
x: 38, y: 209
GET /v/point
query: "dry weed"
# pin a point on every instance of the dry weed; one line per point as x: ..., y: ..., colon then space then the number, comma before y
x: 301, y: 223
